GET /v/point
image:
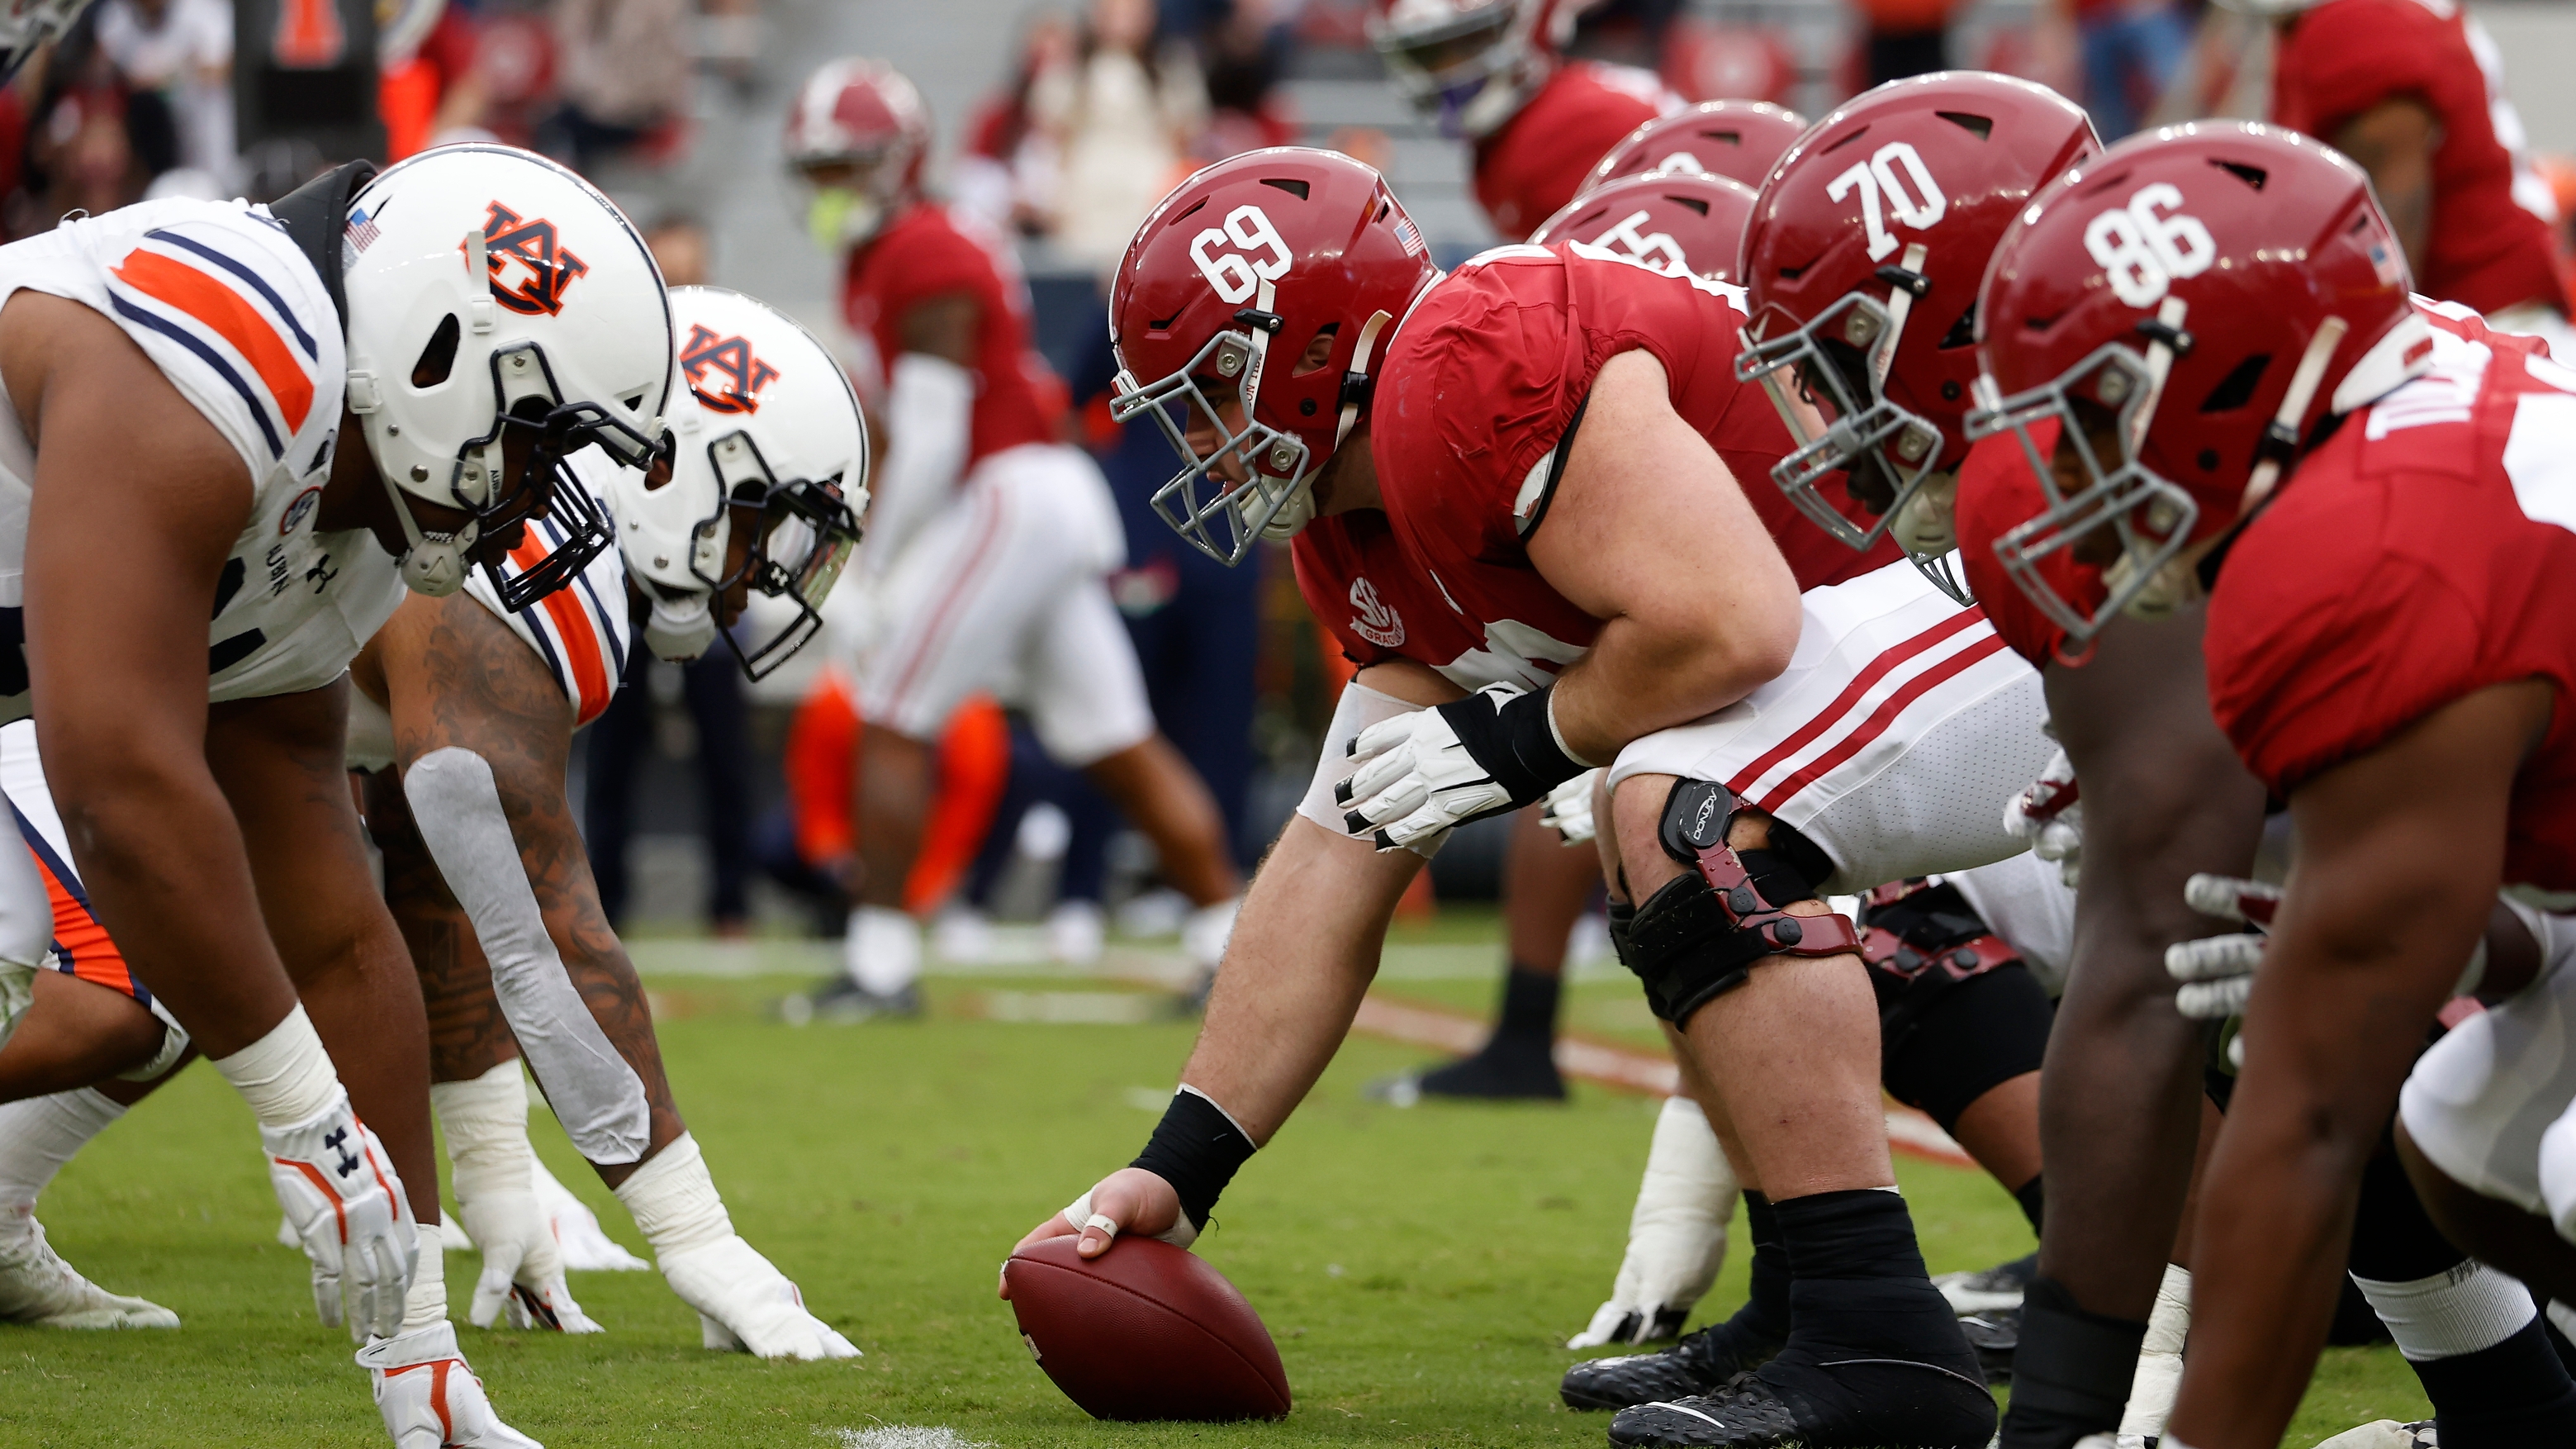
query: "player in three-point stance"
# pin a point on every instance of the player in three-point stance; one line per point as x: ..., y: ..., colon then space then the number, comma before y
x: 2245, y: 334
x: 1262, y: 300
x: 990, y: 542
x: 337, y: 383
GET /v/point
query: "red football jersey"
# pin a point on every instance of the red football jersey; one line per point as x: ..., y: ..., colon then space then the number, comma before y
x: 2489, y: 244
x: 1475, y: 392
x: 928, y: 252
x: 1997, y: 494
x: 1529, y: 169
x: 2425, y: 551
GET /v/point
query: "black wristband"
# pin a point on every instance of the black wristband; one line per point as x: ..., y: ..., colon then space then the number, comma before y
x: 1197, y: 1150
x: 1536, y: 763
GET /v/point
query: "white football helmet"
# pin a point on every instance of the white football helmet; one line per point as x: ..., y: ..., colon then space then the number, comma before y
x: 1470, y: 64
x: 767, y: 437
x: 28, y: 24
x: 491, y: 290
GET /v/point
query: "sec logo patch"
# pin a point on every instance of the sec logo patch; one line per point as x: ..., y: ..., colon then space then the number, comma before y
x: 299, y: 511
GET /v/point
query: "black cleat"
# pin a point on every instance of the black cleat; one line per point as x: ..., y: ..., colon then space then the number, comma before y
x: 1989, y: 1290
x: 1994, y: 1336
x: 1888, y: 1402
x: 841, y: 1000
x: 1509, y: 1068
x: 1702, y: 1363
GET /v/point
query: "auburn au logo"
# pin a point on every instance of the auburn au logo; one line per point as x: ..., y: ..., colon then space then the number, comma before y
x: 530, y: 268
x: 723, y: 372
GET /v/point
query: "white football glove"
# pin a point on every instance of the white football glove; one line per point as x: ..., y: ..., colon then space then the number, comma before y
x: 341, y: 1194
x: 2217, y: 972
x: 522, y: 1269
x: 1676, y: 1234
x: 746, y: 1305
x: 429, y: 1398
x: 1568, y: 810
x: 2050, y: 815
x: 1422, y: 773
x: 584, y: 1246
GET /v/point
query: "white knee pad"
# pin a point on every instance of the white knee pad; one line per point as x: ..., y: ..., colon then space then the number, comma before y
x: 593, y: 1090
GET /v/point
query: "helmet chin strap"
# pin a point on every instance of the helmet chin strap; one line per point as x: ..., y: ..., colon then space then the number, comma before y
x: 1900, y: 305
x: 2282, y: 437
x: 1357, y: 374
x: 433, y: 564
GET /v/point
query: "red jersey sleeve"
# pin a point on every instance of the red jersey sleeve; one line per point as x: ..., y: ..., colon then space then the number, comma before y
x: 1527, y: 171
x: 917, y: 263
x: 2323, y: 640
x: 1997, y: 494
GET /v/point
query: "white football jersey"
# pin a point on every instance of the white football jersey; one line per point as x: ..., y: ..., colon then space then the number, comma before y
x: 221, y: 299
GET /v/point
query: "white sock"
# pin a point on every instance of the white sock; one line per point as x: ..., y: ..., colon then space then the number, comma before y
x: 883, y: 950
x: 485, y: 1122
x: 285, y: 1076
x: 2159, y: 1376
x: 40, y: 1134
x: 674, y: 1201
x: 1204, y: 934
x: 2467, y: 1309
x: 426, y: 1305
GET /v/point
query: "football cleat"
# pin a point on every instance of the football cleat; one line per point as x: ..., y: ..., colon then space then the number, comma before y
x: 1809, y: 1407
x: 1743, y: 1414
x: 1701, y: 1363
x: 745, y: 1305
x: 37, y: 1287
x: 1994, y: 1336
x: 429, y: 1398
x: 841, y: 1001
x: 1989, y: 1290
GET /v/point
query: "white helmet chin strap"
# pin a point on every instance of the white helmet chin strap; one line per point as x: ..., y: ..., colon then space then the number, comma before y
x: 1359, y: 368
x: 2294, y: 406
x: 433, y: 563
x: 1900, y: 305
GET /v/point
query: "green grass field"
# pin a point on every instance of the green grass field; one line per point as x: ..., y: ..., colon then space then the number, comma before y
x: 1419, y: 1268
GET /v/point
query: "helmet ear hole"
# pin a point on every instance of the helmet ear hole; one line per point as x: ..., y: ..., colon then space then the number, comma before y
x: 438, y: 358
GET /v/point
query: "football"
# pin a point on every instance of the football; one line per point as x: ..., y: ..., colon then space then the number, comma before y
x: 1145, y: 1331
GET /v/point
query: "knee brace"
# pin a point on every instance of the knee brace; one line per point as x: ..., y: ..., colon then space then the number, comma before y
x: 1698, y: 937
x: 1920, y: 940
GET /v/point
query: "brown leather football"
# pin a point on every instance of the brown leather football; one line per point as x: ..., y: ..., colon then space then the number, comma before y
x: 1145, y: 1331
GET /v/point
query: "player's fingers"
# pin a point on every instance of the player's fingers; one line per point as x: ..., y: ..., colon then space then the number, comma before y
x: 1401, y: 798
x: 492, y: 1287
x: 326, y: 1297
x: 2214, y: 1000
x: 1385, y: 735
x: 1098, y: 1232
x: 1375, y: 777
x: 2213, y: 957
x: 392, y: 1282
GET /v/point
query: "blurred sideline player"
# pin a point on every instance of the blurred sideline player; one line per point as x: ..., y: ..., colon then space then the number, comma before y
x: 476, y: 706
x: 821, y: 759
x: 2413, y: 90
x: 1494, y: 73
x: 352, y: 322
x: 2203, y: 359
x: 989, y: 542
x: 1545, y: 885
x: 1326, y: 261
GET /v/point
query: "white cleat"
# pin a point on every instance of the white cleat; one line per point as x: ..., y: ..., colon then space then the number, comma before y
x: 2385, y: 1434
x: 586, y: 1247
x: 429, y: 1398
x: 745, y: 1305
x: 38, y: 1287
x: 1076, y: 933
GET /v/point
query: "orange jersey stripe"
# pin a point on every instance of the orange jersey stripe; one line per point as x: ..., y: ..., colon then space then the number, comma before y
x: 580, y: 640
x: 83, y: 942
x: 221, y: 308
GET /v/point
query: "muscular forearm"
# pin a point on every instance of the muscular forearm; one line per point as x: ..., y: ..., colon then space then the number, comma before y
x: 1643, y: 676
x: 1304, y: 951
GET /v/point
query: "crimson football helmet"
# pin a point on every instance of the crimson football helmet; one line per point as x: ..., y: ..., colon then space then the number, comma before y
x: 1885, y: 209
x: 1302, y: 250
x: 1738, y: 140
x: 2189, y: 305
x: 857, y: 136
x: 1682, y: 222
x: 1472, y: 64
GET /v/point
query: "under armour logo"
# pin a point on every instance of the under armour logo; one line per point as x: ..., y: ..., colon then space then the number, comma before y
x: 321, y: 574
x: 338, y: 1141
x: 543, y: 269
x: 739, y: 374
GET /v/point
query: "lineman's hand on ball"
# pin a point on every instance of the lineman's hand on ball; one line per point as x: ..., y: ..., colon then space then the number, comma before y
x: 1568, y: 811
x: 2217, y: 972
x: 2050, y: 816
x: 1130, y: 1200
x: 1421, y: 773
x: 346, y: 1204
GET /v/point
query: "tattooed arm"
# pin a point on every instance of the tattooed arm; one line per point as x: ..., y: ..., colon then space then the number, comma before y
x: 453, y: 675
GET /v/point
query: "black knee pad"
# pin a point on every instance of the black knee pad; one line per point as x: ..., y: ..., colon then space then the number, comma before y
x: 1922, y: 941
x: 1980, y: 1034
x: 1697, y: 937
